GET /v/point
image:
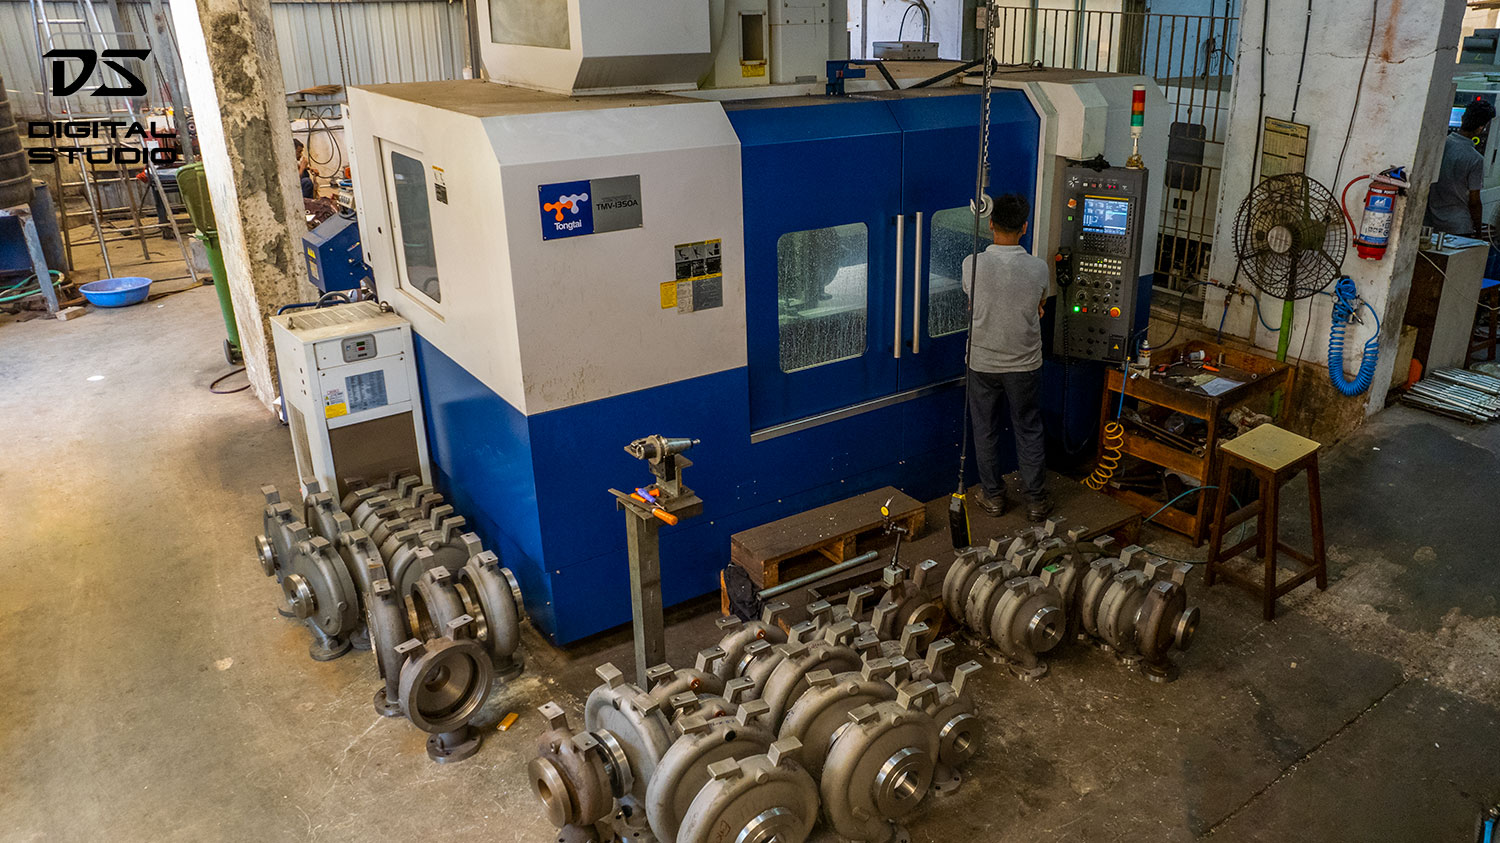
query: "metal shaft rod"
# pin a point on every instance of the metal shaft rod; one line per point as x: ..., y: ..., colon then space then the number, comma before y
x: 815, y: 576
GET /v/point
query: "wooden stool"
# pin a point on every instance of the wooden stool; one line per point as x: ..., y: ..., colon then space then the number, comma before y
x: 1274, y: 456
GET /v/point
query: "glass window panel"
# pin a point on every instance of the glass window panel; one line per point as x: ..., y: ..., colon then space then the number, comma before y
x: 530, y: 23
x: 952, y: 243
x: 823, y: 290
x: 415, y: 221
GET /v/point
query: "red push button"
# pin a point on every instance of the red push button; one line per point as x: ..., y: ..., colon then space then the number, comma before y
x: 1114, y: 312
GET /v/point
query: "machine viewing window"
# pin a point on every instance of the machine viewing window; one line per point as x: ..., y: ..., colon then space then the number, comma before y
x: 1106, y: 216
x: 530, y: 23
x: 822, y: 294
x: 752, y: 38
x: 952, y: 244
x: 414, y: 226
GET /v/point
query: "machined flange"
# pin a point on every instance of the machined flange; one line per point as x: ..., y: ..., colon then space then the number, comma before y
x: 320, y: 592
x: 575, y: 775
x: 823, y: 710
x: 640, y: 726
x: 881, y: 766
x: 761, y: 799
x: 683, y: 770
x: 490, y: 593
x: 907, y: 599
x: 444, y: 683
x: 277, y: 545
x: 960, y: 729
x: 1028, y: 621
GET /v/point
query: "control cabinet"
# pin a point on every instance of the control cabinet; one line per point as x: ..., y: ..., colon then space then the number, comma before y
x: 349, y: 384
x: 1099, y: 262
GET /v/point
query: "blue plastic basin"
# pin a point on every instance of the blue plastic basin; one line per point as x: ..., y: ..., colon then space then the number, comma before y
x: 116, y: 292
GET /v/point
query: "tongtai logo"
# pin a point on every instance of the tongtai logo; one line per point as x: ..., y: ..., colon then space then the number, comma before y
x: 571, y: 202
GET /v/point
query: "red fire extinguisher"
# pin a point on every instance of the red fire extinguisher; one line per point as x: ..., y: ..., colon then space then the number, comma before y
x: 1373, y: 233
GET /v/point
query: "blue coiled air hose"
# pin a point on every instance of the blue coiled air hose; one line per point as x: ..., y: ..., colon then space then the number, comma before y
x: 1345, y: 302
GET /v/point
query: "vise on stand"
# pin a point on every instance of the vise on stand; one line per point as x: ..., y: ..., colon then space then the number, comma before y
x: 665, y: 501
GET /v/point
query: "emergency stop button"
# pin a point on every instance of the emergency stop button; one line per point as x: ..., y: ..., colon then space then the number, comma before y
x: 1114, y: 313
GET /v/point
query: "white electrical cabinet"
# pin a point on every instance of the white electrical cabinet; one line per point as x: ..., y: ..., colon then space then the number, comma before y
x: 349, y: 385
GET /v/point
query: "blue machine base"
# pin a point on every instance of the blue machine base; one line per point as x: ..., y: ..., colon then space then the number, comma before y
x: 534, y: 488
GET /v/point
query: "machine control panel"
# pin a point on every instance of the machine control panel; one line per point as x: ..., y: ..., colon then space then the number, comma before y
x: 359, y: 348
x: 1098, y: 262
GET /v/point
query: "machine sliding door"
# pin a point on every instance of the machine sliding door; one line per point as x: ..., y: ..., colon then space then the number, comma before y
x: 822, y: 196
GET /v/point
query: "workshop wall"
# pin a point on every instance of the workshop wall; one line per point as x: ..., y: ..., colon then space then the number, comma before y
x: 1401, y: 119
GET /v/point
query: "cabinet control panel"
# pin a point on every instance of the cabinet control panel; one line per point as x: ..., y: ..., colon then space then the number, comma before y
x: 1098, y: 262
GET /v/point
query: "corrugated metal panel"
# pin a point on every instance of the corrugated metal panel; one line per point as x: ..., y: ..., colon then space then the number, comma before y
x: 368, y: 42
x: 320, y: 42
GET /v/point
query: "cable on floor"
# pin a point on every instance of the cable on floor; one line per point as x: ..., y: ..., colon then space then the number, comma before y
x: 226, y: 376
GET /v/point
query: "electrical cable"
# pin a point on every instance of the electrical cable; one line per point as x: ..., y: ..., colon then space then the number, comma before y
x: 1302, y: 63
x: 1344, y: 309
x: 901, y: 32
x: 1358, y: 89
x: 1176, y: 499
x: 26, y: 294
x: 227, y: 375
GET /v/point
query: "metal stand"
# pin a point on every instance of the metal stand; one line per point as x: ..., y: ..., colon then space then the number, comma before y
x: 664, y: 502
x: 22, y: 213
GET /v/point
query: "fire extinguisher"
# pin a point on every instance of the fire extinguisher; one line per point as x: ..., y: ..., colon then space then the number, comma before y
x: 1373, y: 233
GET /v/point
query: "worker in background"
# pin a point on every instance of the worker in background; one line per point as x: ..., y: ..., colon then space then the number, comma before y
x: 1453, y: 203
x: 1007, y: 288
x: 304, y: 171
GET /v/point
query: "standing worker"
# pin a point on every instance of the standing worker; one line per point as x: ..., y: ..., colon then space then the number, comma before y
x: 1005, y: 357
x: 1453, y: 203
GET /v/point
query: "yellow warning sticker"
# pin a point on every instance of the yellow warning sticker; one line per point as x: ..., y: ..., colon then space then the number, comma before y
x: 750, y: 71
x: 668, y: 295
x: 333, y: 411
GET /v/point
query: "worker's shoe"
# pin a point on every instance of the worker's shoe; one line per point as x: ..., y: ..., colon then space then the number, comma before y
x: 1038, y: 510
x: 994, y: 506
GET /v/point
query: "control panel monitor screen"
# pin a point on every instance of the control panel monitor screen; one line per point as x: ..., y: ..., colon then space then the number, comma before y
x: 1456, y: 117
x: 1106, y: 216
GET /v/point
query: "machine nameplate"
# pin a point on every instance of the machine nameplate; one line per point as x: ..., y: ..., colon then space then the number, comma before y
x: 366, y: 391
x: 576, y: 208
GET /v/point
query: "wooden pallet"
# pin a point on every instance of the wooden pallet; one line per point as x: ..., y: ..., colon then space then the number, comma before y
x: 809, y: 541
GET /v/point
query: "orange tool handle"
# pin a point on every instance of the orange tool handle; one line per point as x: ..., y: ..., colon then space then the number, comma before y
x: 665, y: 516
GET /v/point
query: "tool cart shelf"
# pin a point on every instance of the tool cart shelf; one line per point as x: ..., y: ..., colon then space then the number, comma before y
x: 1258, y: 378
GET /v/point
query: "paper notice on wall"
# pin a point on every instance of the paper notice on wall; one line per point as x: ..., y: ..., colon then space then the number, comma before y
x: 1283, y: 148
x: 699, y: 281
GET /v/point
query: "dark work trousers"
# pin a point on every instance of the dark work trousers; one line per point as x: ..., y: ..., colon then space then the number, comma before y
x: 987, y: 392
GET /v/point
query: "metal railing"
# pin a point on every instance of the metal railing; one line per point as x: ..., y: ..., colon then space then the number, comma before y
x: 1192, y: 58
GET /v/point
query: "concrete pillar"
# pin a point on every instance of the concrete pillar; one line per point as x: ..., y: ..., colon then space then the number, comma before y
x: 1402, y: 119
x: 234, y: 81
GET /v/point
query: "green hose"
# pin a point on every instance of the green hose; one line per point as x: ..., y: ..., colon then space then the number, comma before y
x: 56, y: 282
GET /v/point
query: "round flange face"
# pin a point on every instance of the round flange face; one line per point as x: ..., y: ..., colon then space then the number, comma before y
x: 959, y: 738
x: 759, y: 802
x: 643, y: 735
x: 683, y: 771
x: 445, y: 685
x: 266, y: 555
x: 878, y: 770
x: 299, y: 596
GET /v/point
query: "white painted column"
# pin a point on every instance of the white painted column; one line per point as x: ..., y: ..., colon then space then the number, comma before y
x: 1401, y: 119
x: 234, y: 81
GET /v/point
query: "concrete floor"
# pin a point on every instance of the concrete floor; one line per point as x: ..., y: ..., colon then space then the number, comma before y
x: 153, y: 693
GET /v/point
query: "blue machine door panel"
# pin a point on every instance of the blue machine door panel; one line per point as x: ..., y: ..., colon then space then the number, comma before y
x: 939, y: 158
x: 822, y: 192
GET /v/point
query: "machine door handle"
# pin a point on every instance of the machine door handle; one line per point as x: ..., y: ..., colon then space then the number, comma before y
x: 916, y: 292
x: 900, y: 272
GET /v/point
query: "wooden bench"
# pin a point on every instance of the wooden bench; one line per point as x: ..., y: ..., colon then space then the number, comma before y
x: 809, y: 541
